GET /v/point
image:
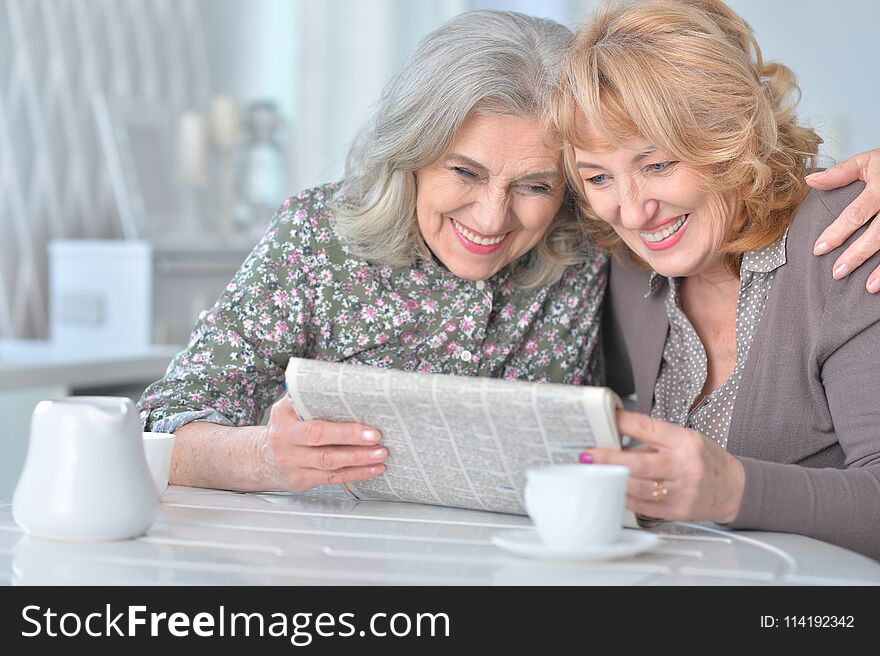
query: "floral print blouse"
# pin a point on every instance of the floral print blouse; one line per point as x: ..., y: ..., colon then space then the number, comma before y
x: 302, y: 293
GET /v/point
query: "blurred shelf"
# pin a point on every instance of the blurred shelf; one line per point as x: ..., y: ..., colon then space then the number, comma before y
x: 33, y: 363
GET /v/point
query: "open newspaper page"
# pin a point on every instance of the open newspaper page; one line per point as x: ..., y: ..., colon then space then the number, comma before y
x: 454, y: 440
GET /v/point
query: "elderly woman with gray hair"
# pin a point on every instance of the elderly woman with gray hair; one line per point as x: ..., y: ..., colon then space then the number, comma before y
x: 451, y: 246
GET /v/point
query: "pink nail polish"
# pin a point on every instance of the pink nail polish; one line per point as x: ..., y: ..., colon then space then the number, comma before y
x: 874, y: 285
x: 840, y: 271
x: 585, y: 458
x: 821, y: 248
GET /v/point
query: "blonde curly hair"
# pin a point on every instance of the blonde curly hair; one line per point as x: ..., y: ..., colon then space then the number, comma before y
x: 688, y: 76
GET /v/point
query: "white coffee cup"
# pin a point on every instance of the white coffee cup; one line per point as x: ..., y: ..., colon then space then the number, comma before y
x: 575, y: 506
x: 85, y: 477
x: 158, y: 448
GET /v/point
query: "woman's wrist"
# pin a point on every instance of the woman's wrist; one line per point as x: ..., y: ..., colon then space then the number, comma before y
x: 212, y: 456
x: 262, y: 472
x: 732, y: 502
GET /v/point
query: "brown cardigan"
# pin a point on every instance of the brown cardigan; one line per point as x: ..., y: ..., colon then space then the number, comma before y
x: 806, y: 423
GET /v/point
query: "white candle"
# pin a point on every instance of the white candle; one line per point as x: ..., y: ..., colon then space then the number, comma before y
x: 192, y: 141
x: 225, y: 121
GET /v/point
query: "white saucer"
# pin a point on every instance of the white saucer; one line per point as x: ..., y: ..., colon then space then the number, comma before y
x: 527, y: 543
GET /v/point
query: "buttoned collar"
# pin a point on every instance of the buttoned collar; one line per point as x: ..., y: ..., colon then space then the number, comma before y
x: 761, y: 260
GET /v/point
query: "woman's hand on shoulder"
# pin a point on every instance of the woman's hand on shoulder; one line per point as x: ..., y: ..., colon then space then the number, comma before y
x: 299, y: 455
x: 676, y: 474
x: 864, y: 167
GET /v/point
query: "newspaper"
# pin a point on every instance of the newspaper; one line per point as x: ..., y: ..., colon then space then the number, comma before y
x: 456, y: 440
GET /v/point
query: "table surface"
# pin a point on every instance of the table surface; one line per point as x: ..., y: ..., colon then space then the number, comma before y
x: 324, y: 537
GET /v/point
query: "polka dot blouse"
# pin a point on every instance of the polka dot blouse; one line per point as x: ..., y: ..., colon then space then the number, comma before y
x: 683, y: 369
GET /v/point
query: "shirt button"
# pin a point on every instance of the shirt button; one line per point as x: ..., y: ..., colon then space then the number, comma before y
x: 466, y: 355
x: 481, y: 285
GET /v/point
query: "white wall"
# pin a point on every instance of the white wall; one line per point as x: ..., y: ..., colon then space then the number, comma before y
x: 347, y: 50
x: 833, y: 49
x: 253, y: 50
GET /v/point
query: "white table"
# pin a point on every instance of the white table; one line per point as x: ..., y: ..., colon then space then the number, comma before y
x: 210, y: 537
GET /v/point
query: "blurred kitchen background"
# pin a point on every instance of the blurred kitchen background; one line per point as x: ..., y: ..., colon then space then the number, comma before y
x: 144, y: 145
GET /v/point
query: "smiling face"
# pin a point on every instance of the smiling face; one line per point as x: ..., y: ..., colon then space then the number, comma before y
x: 492, y: 196
x: 657, y: 206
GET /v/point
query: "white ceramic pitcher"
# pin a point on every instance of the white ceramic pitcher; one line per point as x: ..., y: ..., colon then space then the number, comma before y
x: 85, y: 476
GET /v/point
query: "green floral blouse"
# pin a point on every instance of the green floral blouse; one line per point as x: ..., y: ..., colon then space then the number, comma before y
x: 302, y: 293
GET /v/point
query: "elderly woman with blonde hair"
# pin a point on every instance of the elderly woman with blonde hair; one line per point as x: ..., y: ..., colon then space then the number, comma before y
x: 754, y: 368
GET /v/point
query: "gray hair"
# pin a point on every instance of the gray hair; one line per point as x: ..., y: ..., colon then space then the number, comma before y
x: 487, y: 62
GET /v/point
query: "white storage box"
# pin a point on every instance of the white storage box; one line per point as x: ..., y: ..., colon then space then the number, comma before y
x: 101, y: 293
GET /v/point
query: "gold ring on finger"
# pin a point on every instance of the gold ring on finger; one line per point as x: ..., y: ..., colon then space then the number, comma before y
x: 658, y: 489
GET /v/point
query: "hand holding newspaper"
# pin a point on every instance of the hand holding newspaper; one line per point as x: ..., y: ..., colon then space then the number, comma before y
x: 454, y: 440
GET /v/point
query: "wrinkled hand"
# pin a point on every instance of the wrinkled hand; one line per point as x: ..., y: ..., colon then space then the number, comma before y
x: 864, y: 167
x: 703, y: 481
x: 300, y: 455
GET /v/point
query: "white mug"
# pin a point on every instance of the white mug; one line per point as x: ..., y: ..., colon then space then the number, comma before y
x: 575, y: 506
x: 85, y: 477
x: 159, y: 447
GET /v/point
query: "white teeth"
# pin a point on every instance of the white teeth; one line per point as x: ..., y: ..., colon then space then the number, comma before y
x: 667, y: 232
x: 482, y: 241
